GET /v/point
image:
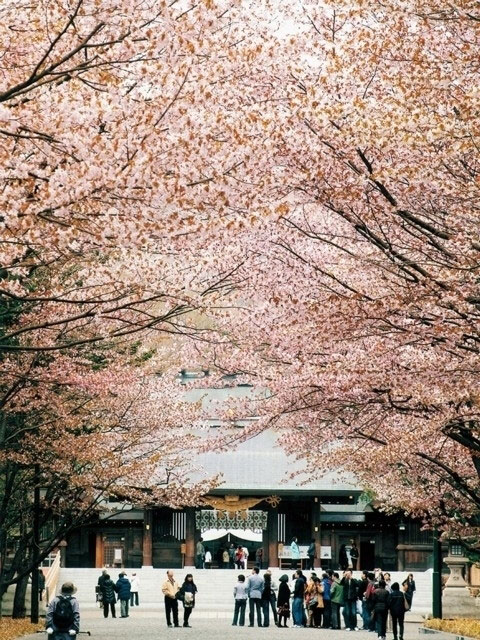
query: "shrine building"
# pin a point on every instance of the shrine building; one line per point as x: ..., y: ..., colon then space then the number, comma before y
x: 256, y: 505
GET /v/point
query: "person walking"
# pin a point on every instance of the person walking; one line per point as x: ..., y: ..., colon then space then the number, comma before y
x: 283, y: 601
x: 187, y: 596
x: 122, y: 587
x: 199, y: 554
x: 108, y: 596
x: 409, y: 588
x: 170, y: 588
x: 396, y: 606
x: 336, y: 601
x: 350, y: 597
x: 134, y: 585
x: 240, y: 597
x: 298, y: 595
x: 254, y: 591
x: 62, y: 621
x: 294, y: 553
x: 311, y: 552
x: 380, y: 609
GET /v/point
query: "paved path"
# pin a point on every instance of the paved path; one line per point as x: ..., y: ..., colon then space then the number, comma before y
x: 151, y: 625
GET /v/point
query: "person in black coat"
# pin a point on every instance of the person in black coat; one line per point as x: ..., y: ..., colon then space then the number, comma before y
x: 409, y: 587
x: 108, y: 596
x: 283, y: 601
x: 187, y: 596
x: 266, y: 598
x: 396, y: 606
x: 41, y: 584
x: 343, y: 558
x: 380, y: 609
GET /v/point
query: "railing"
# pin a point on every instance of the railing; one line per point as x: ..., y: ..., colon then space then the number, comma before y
x: 51, y: 579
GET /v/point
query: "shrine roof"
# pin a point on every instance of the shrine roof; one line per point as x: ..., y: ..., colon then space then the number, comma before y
x: 260, y: 465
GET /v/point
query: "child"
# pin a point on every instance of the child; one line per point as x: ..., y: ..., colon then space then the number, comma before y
x: 240, y: 595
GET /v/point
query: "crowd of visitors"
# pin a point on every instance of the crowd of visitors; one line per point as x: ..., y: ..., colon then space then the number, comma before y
x: 322, y: 601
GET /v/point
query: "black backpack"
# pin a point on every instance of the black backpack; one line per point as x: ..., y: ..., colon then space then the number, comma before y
x: 63, y: 614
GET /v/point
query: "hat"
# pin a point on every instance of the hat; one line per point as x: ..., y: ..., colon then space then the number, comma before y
x: 68, y: 588
x: 284, y: 578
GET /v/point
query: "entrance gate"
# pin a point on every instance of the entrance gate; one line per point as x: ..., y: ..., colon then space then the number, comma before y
x: 220, y: 529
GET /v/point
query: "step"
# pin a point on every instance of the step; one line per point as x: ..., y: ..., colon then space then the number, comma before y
x: 215, y: 586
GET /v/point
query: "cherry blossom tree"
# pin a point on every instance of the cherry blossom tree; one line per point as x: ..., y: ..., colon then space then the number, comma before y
x: 116, y: 157
x: 363, y: 314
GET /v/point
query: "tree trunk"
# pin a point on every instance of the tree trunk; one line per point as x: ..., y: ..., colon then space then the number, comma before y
x: 19, y: 609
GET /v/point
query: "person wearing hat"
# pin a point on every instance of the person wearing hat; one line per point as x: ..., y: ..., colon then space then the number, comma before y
x: 122, y: 587
x: 283, y: 601
x: 62, y: 621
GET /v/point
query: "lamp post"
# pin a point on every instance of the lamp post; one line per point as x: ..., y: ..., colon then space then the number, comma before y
x: 437, y: 576
x: 36, y: 546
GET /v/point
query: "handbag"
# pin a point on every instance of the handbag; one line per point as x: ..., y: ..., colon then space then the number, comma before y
x: 188, y: 599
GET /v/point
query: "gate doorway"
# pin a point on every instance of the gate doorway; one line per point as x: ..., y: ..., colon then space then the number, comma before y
x: 217, y: 545
x: 367, y: 555
x: 113, y: 550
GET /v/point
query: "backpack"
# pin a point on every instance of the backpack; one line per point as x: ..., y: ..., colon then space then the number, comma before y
x: 63, y: 614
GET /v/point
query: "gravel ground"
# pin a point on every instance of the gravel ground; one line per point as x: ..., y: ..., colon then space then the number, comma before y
x: 151, y: 625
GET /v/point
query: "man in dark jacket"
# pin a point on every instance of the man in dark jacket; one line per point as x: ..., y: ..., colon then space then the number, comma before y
x: 297, y: 605
x: 396, y: 606
x: 123, y: 589
x: 350, y: 596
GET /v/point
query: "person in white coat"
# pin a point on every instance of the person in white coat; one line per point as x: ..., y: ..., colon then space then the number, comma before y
x: 134, y: 584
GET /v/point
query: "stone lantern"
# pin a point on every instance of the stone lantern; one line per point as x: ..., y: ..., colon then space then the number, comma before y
x: 457, y: 601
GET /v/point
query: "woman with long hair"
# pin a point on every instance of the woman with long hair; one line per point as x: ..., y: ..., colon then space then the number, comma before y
x: 409, y: 589
x: 187, y: 595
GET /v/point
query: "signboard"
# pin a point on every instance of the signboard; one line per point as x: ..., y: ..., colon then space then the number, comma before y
x: 284, y: 551
x: 326, y: 553
x: 118, y: 555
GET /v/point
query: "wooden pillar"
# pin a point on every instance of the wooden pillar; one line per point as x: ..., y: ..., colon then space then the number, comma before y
x: 98, y: 550
x: 316, y: 529
x: 147, y: 560
x: 272, y: 537
x: 190, y: 537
